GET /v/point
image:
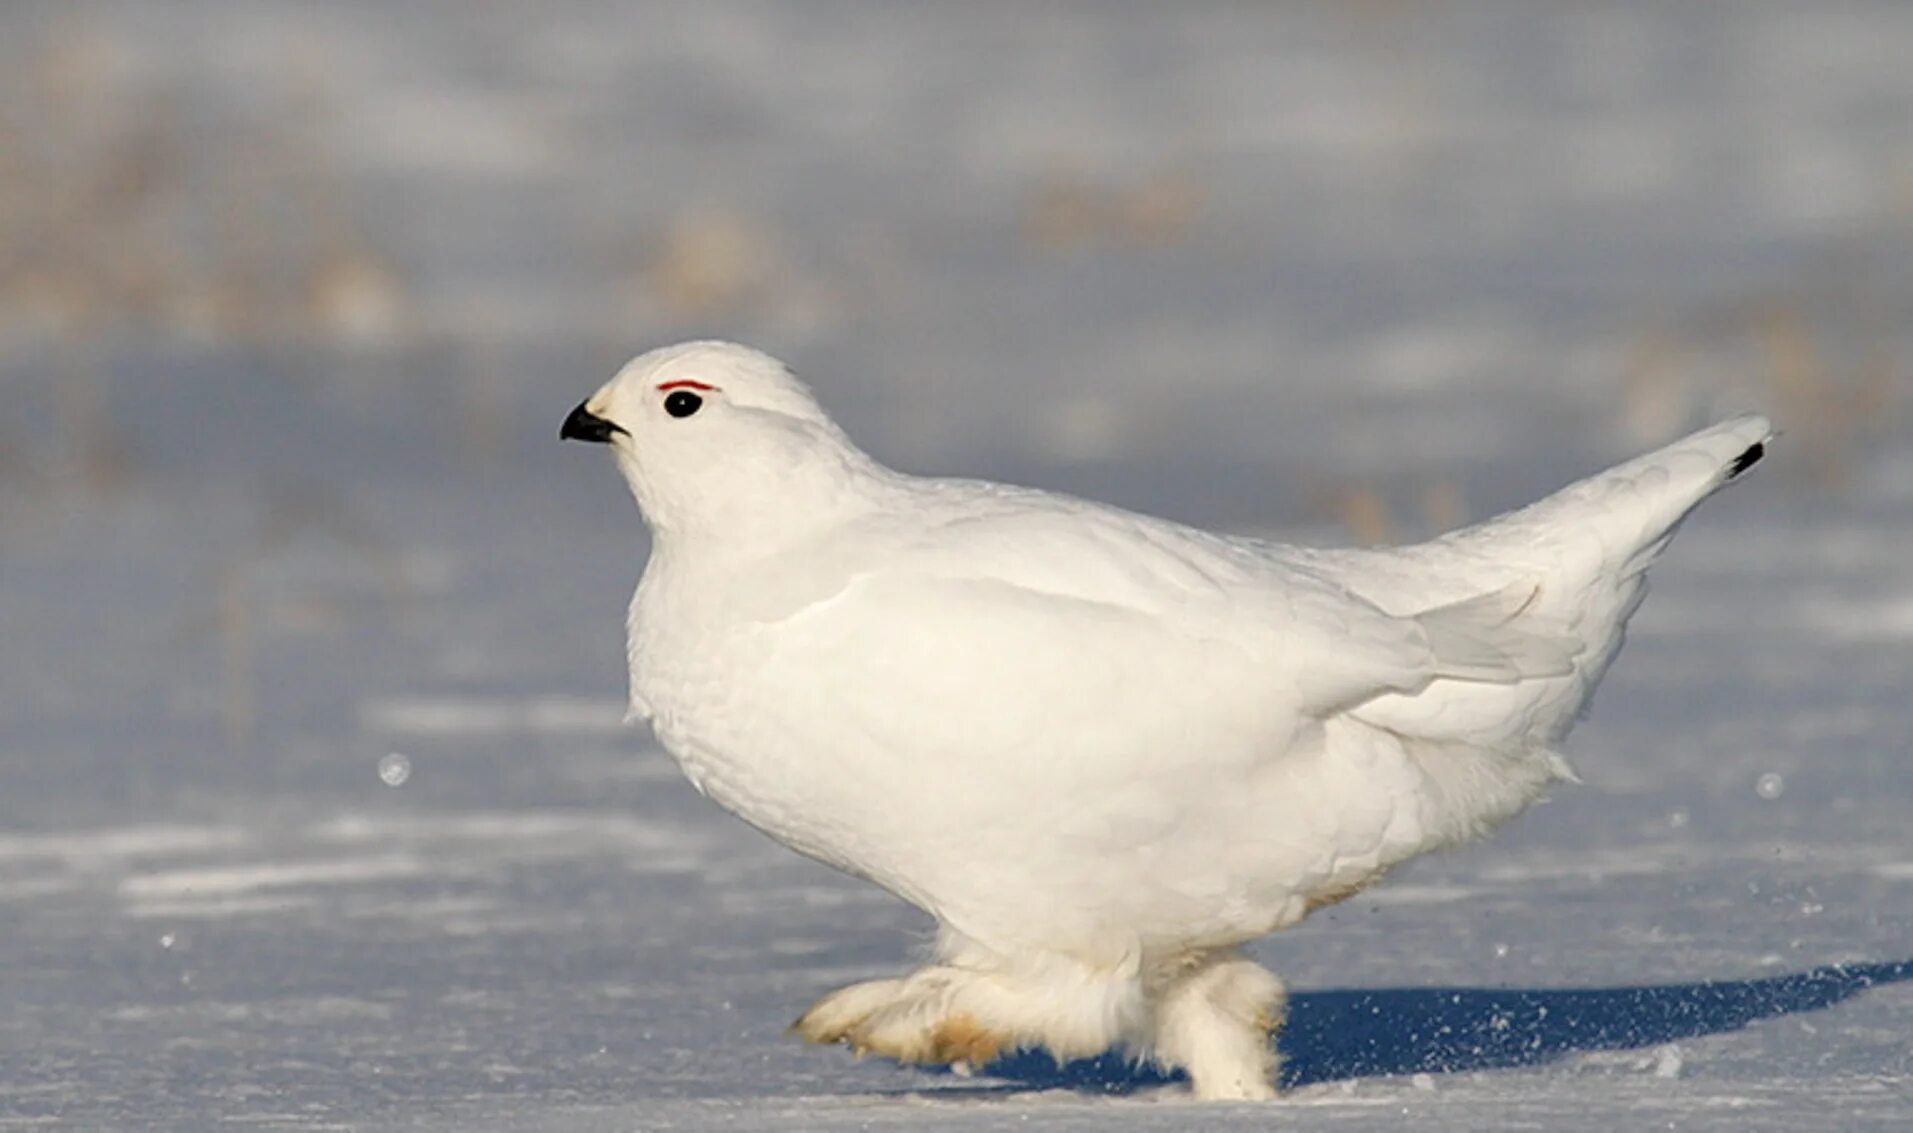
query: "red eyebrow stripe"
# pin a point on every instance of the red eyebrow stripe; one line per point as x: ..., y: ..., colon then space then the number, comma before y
x: 686, y: 383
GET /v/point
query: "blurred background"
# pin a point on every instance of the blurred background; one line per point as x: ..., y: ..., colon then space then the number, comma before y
x: 293, y: 297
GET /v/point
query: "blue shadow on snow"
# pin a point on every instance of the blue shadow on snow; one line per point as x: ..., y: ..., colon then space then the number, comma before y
x: 1334, y: 1035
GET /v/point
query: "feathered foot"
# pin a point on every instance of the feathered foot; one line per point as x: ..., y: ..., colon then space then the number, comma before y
x: 1216, y: 1019
x: 910, y: 1020
x: 968, y: 1012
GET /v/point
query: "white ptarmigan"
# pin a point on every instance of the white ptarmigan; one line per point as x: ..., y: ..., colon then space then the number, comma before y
x: 1103, y: 750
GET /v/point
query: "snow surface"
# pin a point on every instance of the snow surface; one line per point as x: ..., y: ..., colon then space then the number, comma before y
x: 1317, y: 272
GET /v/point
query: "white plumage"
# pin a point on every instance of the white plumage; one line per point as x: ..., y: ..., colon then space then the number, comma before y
x: 1101, y: 749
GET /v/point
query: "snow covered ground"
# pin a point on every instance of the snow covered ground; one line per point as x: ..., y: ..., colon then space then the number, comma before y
x: 315, y: 808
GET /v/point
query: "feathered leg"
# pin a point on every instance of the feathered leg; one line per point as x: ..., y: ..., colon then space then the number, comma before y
x: 1215, y: 1018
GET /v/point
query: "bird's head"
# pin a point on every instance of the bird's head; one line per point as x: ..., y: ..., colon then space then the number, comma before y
x: 719, y: 438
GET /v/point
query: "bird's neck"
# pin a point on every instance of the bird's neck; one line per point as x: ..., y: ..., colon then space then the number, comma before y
x: 749, y: 515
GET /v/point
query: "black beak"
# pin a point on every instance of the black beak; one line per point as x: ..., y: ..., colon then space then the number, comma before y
x: 584, y: 425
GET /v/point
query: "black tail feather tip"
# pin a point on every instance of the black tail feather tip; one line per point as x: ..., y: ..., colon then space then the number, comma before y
x: 1747, y: 459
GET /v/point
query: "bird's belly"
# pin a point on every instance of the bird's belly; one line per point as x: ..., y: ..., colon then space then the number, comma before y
x: 1233, y: 860
x: 1072, y: 839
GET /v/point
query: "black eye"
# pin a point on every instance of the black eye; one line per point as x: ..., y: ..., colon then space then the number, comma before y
x: 682, y: 403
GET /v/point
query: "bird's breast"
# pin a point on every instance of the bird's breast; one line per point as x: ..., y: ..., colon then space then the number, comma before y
x: 722, y: 705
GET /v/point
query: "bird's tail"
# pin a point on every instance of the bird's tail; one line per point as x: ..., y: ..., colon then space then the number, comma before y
x: 1615, y: 523
x: 1579, y: 557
